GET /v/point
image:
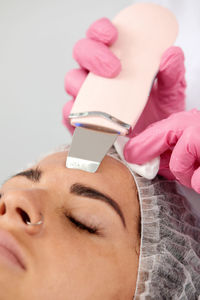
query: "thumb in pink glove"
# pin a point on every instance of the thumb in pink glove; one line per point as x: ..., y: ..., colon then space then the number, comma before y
x: 93, y: 55
x: 177, y: 141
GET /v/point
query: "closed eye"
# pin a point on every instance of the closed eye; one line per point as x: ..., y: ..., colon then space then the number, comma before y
x: 91, y: 229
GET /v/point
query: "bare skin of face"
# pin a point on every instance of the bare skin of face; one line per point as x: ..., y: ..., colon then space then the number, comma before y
x: 87, y: 248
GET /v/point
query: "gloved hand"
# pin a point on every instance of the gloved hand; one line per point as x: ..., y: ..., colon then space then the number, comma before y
x: 176, y: 140
x: 93, y: 55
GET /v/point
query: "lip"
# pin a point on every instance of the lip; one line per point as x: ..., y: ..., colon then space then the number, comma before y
x: 11, y: 250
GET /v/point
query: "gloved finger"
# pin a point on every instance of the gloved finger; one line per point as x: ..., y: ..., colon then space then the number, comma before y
x: 96, y: 58
x: 195, y: 182
x: 172, y: 69
x: 171, y: 82
x: 65, y: 113
x: 74, y: 80
x: 186, y: 156
x: 103, y: 31
x: 164, y: 165
x: 152, y: 142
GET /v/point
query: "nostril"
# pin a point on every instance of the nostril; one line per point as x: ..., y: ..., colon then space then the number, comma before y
x: 2, y: 209
x: 2, y: 206
x: 23, y: 214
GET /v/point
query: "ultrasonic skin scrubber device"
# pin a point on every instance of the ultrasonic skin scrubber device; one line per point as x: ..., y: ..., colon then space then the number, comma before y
x: 107, y: 108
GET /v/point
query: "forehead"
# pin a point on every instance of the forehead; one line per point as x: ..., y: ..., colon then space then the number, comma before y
x: 112, y: 175
x: 59, y: 159
x: 108, y: 166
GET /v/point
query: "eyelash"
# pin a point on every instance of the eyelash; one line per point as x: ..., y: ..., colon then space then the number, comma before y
x: 90, y: 229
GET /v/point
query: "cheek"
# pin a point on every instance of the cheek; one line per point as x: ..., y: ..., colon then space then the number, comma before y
x: 78, y: 265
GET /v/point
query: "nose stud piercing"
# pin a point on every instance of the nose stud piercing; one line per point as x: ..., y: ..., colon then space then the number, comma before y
x: 38, y: 223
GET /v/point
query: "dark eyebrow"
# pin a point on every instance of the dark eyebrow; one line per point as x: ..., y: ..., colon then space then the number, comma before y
x: 86, y: 191
x: 31, y: 174
x: 77, y: 189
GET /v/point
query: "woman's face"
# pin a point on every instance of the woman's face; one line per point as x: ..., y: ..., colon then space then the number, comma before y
x: 62, y: 260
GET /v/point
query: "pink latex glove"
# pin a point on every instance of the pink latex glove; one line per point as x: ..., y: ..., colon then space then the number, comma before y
x: 93, y: 55
x: 176, y: 140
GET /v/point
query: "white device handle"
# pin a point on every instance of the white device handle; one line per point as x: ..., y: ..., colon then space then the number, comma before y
x: 145, y: 31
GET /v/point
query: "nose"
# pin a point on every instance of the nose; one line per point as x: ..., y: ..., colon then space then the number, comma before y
x: 17, y: 207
